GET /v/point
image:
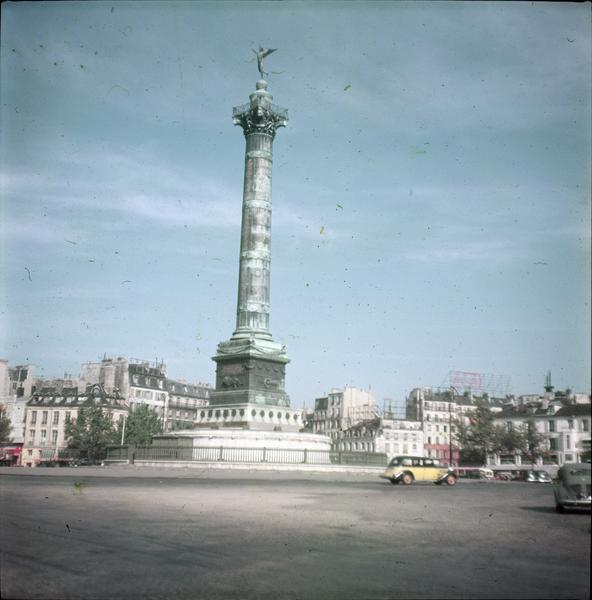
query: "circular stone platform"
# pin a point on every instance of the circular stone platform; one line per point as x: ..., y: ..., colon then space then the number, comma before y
x: 246, y: 445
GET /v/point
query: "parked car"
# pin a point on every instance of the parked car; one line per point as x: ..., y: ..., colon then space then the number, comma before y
x: 504, y: 476
x: 572, y: 487
x: 473, y: 473
x: 407, y: 469
x: 538, y: 477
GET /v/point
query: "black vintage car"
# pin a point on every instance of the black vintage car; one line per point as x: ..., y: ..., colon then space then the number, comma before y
x: 572, y: 487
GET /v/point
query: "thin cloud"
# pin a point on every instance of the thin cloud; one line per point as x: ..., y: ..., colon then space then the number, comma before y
x: 493, y: 251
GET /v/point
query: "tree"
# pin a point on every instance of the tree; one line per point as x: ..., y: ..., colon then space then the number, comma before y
x: 479, y: 437
x: 5, y: 426
x: 91, y: 433
x: 510, y: 439
x: 141, y: 426
x: 533, y: 443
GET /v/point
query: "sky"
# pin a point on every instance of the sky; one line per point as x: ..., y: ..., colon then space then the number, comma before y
x: 431, y: 192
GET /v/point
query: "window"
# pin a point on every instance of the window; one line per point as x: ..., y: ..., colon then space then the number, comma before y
x: 33, y: 417
x: 552, y: 426
x: 54, y: 436
x: 43, y: 434
x: 56, y: 418
x: 567, y: 441
x: 44, y: 418
x: 553, y: 444
x: 31, y: 436
x: 570, y: 423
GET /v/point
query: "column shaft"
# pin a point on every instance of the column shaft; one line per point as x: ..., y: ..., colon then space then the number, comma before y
x: 255, y: 254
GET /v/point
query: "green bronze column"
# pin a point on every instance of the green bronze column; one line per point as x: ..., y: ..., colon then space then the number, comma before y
x: 259, y: 120
x: 251, y: 365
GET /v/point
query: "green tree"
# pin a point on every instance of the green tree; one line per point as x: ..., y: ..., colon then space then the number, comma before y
x: 479, y: 437
x: 141, y: 426
x: 5, y: 426
x: 533, y: 443
x: 91, y: 432
x: 510, y: 440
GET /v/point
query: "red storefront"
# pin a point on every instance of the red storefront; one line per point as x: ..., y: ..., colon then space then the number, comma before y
x: 10, y: 454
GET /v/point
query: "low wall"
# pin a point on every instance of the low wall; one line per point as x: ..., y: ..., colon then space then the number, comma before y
x: 185, y: 464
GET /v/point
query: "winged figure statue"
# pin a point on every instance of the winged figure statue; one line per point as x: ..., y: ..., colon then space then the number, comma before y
x: 261, y: 54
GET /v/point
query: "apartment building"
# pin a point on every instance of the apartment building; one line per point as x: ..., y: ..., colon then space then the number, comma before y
x: 562, y: 418
x: 341, y: 409
x: 382, y: 435
x: 47, y: 414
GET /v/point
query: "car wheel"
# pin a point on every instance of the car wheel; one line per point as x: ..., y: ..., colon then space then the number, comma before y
x: 407, y: 479
x: 395, y: 481
x: 450, y: 480
x: 559, y: 508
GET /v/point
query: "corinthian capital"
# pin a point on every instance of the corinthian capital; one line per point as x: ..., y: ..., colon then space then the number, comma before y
x: 257, y: 119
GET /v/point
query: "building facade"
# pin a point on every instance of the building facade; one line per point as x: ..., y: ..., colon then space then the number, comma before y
x: 437, y: 411
x: 340, y: 410
x: 382, y: 435
x: 562, y: 418
x: 47, y: 414
x: 142, y: 382
x: 21, y: 380
x: 16, y: 385
x: 184, y: 400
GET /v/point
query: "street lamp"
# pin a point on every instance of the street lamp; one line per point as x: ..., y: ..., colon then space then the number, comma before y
x: 123, y: 429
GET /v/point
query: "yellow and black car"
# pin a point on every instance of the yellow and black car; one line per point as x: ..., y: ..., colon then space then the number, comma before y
x: 407, y: 469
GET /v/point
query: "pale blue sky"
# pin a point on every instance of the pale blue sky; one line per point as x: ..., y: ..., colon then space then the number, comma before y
x: 431, y: 191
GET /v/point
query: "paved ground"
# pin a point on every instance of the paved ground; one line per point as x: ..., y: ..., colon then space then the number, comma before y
x: 143, y: 533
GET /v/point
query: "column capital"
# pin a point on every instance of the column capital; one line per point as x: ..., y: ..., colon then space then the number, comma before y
x: 260, y: 120
x: 260, y: 115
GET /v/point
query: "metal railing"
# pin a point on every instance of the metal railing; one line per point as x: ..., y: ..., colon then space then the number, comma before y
x: 284, y: 456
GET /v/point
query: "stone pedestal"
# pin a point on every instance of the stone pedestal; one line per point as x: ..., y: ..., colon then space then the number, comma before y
x: 280, y: 447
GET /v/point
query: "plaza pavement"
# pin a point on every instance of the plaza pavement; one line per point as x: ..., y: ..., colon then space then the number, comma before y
x: 135, y: 532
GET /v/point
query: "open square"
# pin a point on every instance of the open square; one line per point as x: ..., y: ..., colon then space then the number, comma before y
x: 187, y: 533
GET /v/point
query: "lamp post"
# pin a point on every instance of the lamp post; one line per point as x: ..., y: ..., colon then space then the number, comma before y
x: 123, y: 429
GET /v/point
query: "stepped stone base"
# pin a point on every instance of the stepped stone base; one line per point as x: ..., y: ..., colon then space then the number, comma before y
x: 244, y: 438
